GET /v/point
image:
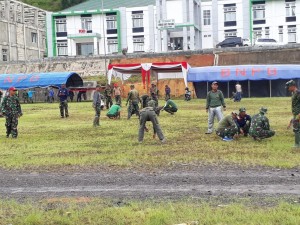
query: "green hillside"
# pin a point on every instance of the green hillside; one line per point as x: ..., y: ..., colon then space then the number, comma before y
x: 53, y: 5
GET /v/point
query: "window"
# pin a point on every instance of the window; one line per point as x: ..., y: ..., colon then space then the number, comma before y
x: 267, y: 32
x: 85, y: 48
x: 257, y: 33
x: 61, y: 25
x: 229, y: 13
x: 230, y: 33
x: 33, y: 37
x: 290, y: 8
x: 280, y: 32
x: 206, y: 17
x: 4, y: 55
x: 137, y: 20
x: 112, y: 45
x: 292, y: 38
x: 86, y: 23
x: 259, y: 12
x: 111, y: 22
x: 138, y: 43
x: 62, y: 48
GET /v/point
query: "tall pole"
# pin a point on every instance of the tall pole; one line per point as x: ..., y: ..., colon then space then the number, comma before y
x: 104, y: 38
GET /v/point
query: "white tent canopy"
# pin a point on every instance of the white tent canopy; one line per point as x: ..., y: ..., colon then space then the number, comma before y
x: 162, y: 70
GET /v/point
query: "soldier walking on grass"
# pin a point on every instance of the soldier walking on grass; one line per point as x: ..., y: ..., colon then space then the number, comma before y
x: 97, y: 106
x: 148, y: 114
x: 133, y: 100
x: 63, y: 94
x: 214, y: 103
x: 11, y: 109
x: 291, y: 86
x: 260, y: 127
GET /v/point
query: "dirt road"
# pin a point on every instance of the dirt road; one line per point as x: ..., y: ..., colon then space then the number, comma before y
x: 173, y: 183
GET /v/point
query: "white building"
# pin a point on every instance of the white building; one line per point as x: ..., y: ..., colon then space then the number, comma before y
x: 184, y: 31
x: 254, y: 19
x: 23, y: 31
x: 91, y: 28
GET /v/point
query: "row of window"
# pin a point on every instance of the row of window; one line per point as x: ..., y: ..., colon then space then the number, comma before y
x: 112, y: 44
x: 291, y: 31
x: 258, y: 10
x: 111, y: 22
x: 258, y: 33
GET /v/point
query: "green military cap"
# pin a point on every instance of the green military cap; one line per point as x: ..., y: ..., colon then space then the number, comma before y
x: 290, y: 83
x: 242, y: 109
x: 263, y: 110
x: 132, y: 85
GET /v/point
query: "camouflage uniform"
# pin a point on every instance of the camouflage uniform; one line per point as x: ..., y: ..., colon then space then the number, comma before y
x: 108, y: 97
x: 260, y: 127
x: 97, y: 106
x: 11, y: 109
x: 296, y: 112
x: 63, y: 94
x: 227, y: 127
x: 133, y: 99
x: 148, y: 114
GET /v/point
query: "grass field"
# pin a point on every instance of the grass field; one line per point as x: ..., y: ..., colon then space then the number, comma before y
x: 85, y: 211
x: 46, y: 141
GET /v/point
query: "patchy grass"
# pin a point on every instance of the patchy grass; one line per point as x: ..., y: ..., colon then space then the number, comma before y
x: 47, y: 141
x: 147, y: 213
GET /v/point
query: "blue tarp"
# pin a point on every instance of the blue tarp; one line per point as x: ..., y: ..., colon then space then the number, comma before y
x: 243, y: 72
x: 55, y: 79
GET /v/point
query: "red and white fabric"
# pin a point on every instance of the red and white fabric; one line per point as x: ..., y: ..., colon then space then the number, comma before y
x: 145, y: 70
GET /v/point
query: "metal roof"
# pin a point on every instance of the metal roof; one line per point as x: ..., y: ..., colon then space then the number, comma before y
x: 109, y: 4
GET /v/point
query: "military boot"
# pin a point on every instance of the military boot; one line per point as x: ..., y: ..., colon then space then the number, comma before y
x: 98, y: 121
x: 297, y: 140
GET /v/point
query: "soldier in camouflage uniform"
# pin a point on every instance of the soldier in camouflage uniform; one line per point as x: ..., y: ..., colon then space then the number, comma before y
x: 148, y: 114
x: 63, y: 94
x: 227, y: 127
x: 97, y: 106
x: 11, y: 109
x: 108, y: 96
x: 133, y: 99
x: 291, y: 86
x: 152, y: 103
x: 260, y: 127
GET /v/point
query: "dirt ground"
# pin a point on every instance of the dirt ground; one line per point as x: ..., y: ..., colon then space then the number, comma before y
x: 178, y: 182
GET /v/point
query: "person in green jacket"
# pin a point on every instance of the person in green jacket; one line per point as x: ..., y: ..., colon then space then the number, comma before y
x: 227, y: 127
x: 214, y: 103
x: 114, y: 111
x: 170, y: 107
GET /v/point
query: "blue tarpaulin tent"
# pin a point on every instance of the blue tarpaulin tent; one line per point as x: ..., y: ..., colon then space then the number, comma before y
x: 55, y: 79
x: 256, y: 80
